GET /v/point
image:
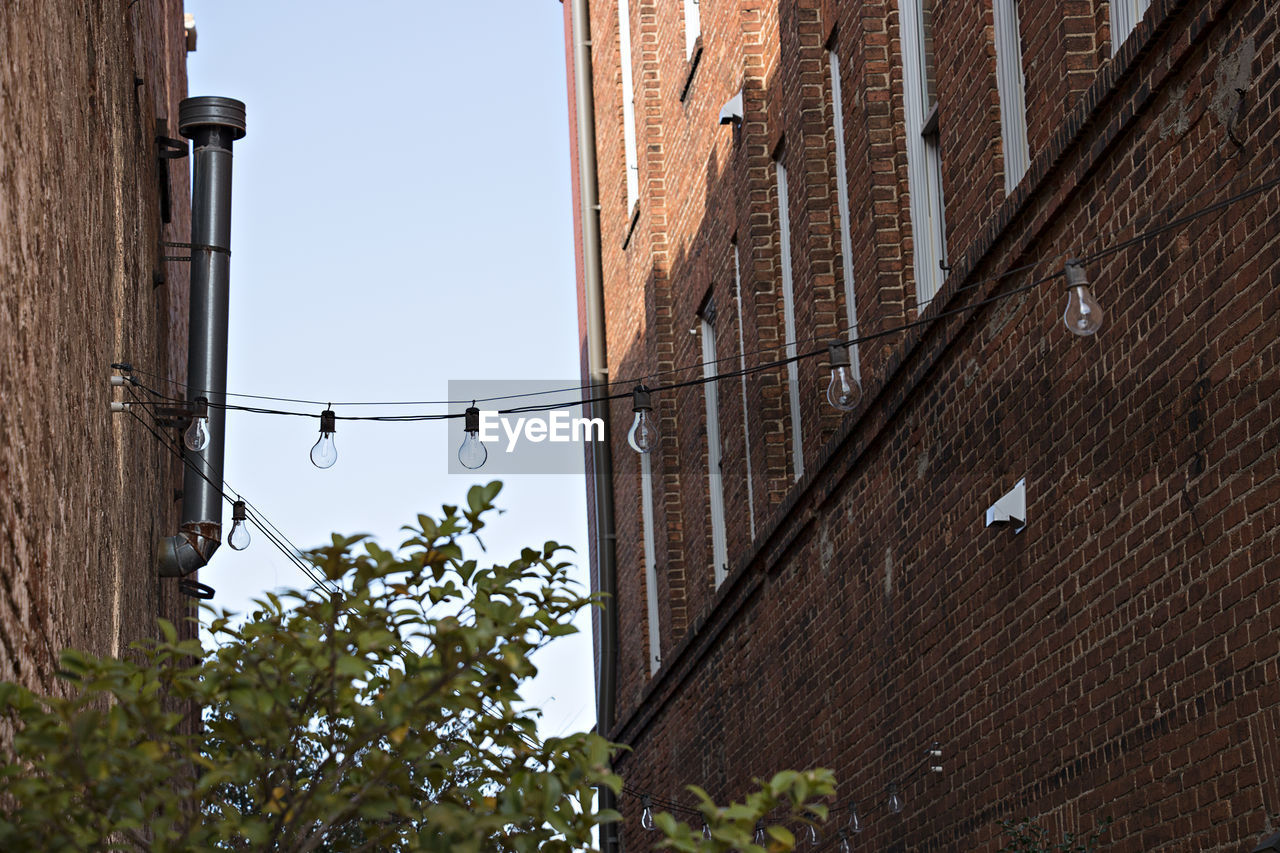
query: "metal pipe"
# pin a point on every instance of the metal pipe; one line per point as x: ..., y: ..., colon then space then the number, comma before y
x: 598, y: 370
x: 212, y: 124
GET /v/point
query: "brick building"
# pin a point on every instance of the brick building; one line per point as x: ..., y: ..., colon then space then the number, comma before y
x: 798, y: 586
x: 85, y: 496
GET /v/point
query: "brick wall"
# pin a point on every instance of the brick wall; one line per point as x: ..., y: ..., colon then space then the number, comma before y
x: 85, y: 496
x: 1119, y: 657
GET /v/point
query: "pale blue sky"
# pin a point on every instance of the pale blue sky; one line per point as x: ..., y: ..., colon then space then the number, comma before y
x: 401, y: 217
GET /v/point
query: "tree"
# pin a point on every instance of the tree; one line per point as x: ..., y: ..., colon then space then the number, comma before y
x: 384, y: 716
x: 1028, y: 836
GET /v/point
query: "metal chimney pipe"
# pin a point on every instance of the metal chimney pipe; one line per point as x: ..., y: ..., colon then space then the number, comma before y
x: 212, y: 124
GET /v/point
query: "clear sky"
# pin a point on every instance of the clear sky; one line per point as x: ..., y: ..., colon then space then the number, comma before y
x: 401, y: 217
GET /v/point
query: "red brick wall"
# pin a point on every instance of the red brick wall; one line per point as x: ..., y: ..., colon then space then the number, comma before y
x: 1119, y: 657
x: 85, y: 496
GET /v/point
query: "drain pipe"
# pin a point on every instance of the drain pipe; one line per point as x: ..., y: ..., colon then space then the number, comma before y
x: 598, y: 370
x: 212, y: 124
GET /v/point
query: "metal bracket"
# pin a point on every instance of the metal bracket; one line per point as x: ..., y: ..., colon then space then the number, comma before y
x: 1011, y: 509
x: 167, y: 148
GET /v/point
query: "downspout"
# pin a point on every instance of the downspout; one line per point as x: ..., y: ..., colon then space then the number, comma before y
x: 213, y: 124
x: 598, y: 371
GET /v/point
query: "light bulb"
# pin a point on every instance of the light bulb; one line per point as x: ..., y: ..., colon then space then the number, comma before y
x: 855, y: 822
x: 706, y: 831
x: 646, y: 816
x: 844, y: 842
x: 1083, y: 316
x: 238, y: 538
x: 472, y: 454
x: 844, y: 392
x: 895, y: 802
x: 196, y: 438
x: 642, y: 436
x: 324, y: 452
x: 759, y: 836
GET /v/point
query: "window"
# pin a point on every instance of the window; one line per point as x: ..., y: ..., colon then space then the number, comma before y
x: 1125, y: 15
x: 692, y: 27
x: 742, y: 365
x: 789, y: 320
x: 628, y: 106
x: 1012, y: 88
x: 924, y: 153
x: 715, y: 472
x: 650, y: 570
x: 842, y: 202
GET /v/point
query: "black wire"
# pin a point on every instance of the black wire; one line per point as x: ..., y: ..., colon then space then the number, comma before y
x: 259, y: 520
x: 594, y: 387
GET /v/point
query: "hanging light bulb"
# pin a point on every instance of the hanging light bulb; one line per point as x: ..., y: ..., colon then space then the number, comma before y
x: 844, y: 392
x: 759, y: 836
x: 646, y: 816
x: 844, y: 842
x: 813, y: 834
x: 706, y: 830
x: 895, y: 801
x: 855, y: 822
x: 324, y: 453
x: 1083, y: 315
x: 472, y: 454
x: 196, y: 438
x: 238, y: 538
x: 643, y: 435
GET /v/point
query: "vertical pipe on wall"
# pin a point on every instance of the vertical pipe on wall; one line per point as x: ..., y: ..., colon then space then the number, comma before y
x: 212, y: 124
x: 598, y: 369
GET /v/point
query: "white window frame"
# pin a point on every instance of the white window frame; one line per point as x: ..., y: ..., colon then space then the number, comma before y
x: 842, y: 203
x: 715, y: 464
x: 692, y: 27
x: 1125, y: 15
x: 1011, y: 85
x: 789, y: 321
x: 632, y: 157
x: 742, y: 366
x: 924, y: 154
x: 650, y: 570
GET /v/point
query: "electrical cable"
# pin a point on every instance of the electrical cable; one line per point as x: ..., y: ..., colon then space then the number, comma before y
x: 264, y: 525
x: 1097, y: 255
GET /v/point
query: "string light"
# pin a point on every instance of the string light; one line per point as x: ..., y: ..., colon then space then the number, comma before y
x: 895, y: 801
x: 1083, y: 316
x: 759, y: 836
x: 646, y: 816
x: 844, y: 392
x: 324, y: 452
x: 844, y: 841
x: 255, y: 516
x: 855, y: 823
x: 196, y: 438
x: 238, y: 538
x: 642, y: 436
x: 706, y: 830
x: 472, y: 454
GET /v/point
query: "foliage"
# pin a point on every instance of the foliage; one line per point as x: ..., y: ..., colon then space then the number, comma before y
x: 733, y: 827
x: 1028, y: 836
x: 386, y: 716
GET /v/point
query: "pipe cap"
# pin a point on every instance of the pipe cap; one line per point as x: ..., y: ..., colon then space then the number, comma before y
x: 211, y: 110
